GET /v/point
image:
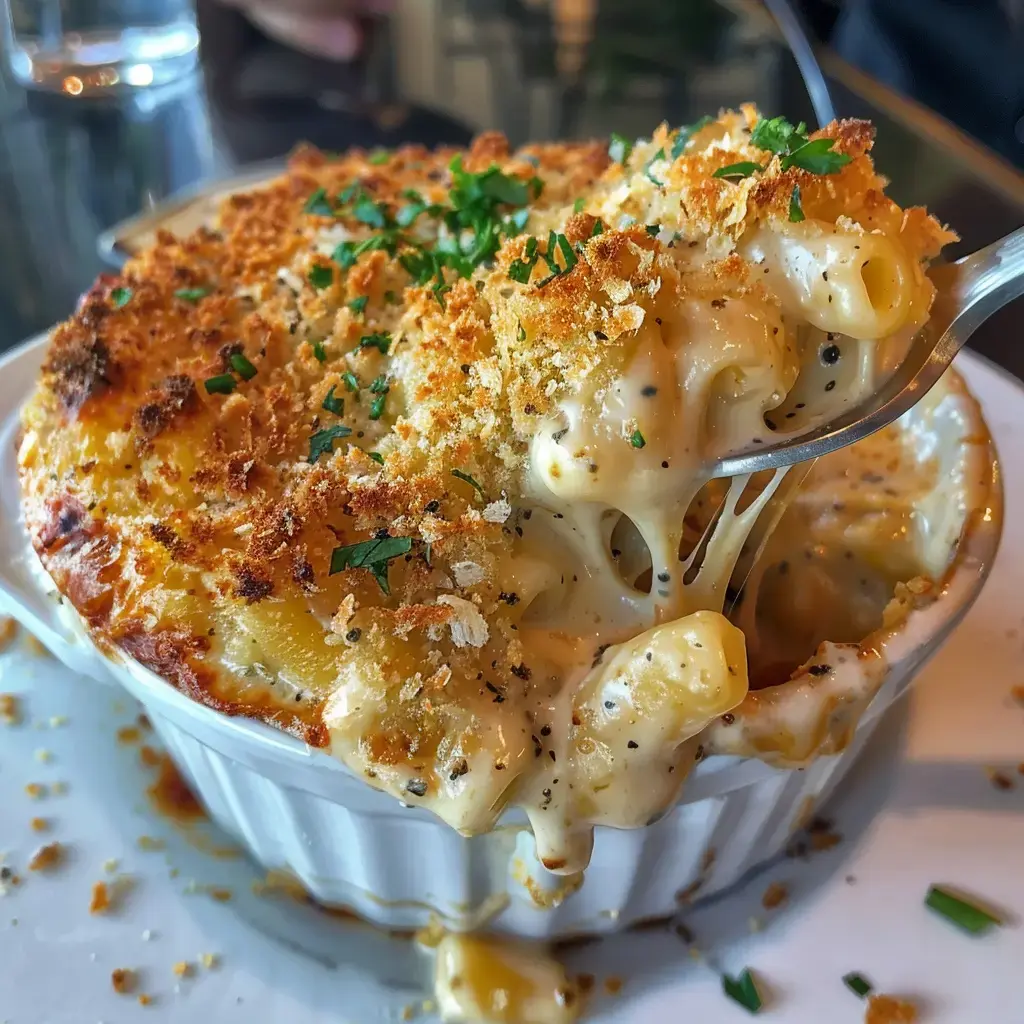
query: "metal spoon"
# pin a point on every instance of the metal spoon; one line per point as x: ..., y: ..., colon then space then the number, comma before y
x: 968, y: 292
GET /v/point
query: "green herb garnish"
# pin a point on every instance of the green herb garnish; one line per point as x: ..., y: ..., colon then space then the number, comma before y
x: 380, y: 156
x: 968, y: 916
x: 373, y: 555
x: 687, y: 132
x: 469, y: 480
x: 577, y: 207
x: 319, y: 204
x: 743, y: 169
x: 222, y: 384
x: 637, y: 440
x: 557, y: 242
x: 333, y: 404
x: 120, y: 297
x: 358, y: 305
x: 520, y: 270
x: 777, y: 135
x: 379, y: 387
x: 857, y: 984
x: 351, y: 380
x: 743, y: 990
x: 193, y: 295
x: 619, y: 148
x: 377, y: 457
x: 319, y: 351
x: 796, y: 210
x: 242, y: 366
x: 520, y: 331
x: 598, y: 228
x: 653, y: 230
x: 322, y: 442
x: 381, y: 341
x: 320, y: 277
x: 391, y: 298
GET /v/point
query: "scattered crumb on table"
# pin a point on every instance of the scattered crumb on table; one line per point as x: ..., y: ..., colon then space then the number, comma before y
x: 613, y: 985
x: 775, y: 895
x: 183, y: 969
x: 59, y: 788
x: 124, y: 980
x: 47, y: 857
x: 39, y: 824
x: 129, y: 734
x: 889, y: 1010
x: 36, y: 790
x: 150, y: 845
x: 999, y: 779
x: 210, y: 961
x: 100, y: 903
x: 10, y: 709
x: 8, y: 631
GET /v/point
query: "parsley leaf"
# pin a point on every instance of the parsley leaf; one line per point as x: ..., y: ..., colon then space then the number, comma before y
x: 319, y: 204
x: 120, y: 297
x: 469, y: 480
x: 322, y: 442
x: 222, y: 384
x: 242, y: 366
x: 777, y: 135
x: 577, y: 207
x: 381, y: 341
x: 687, y: 132
x: 377, y: 457
x: 358, y: 304
x: 818, y: 157
x: 598, y: 228
x: 619, y: 148
x: 369, y: 212
x: 520, y: 270
x: 743, y: 169
x: 351, y: 380
x: 333, y: 404
x: 193, y: 295
x: 380, y: 156
x: 796, y: 211
x: 319, y: 351
x: 371, y: 554
x: 637, y: 440
x: 320, y: 277
x: 379, y: 387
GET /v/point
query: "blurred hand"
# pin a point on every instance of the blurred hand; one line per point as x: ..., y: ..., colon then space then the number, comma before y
x: 321, y: 28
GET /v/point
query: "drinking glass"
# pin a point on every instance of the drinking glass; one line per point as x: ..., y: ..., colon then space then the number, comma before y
x: 83, y: 47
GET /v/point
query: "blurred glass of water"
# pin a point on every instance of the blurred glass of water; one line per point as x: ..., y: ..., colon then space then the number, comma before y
x: 83, y: 47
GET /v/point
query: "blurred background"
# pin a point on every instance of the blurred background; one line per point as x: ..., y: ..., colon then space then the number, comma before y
x: 107, y: 107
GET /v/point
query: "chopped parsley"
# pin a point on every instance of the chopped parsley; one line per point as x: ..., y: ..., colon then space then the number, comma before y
x: 358, y: 305
x: 222, y: 384
x: 598, y: 228
x: 380, y: 387
x: 378, y: 157
x: 857, y: 984
x: 319, y: 351
x: 964, y: 914
x: 577, y: 207
x: 322, y: 442
x: 637, y: 440
x: 369, y: 212
x: 778, y: 136
x: 193, y: 295
x: 120, y: 297
x: 371, y: 554
x: 320, y: 277
x: 381, y: 341
x: 520, y: 270
x: 557, y: 242
x: 351, y: 380
x: 687, y: 132
x: 377, y: 457
x: 619, y: 148
x: 653, y: 230
x: 334, y: 404
x: 796, y: 210
x: 743, y: 990
x: 319, y: 204
x: 469, y: 480
x: 520, y: 332
x: 743, y: 169
x: 242, y: 366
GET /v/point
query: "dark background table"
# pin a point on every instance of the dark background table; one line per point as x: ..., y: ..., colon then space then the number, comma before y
x: 438, y: 71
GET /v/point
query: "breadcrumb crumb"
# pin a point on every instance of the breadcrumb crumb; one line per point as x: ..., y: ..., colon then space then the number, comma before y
x: 47, y: 858
x: 889, y: 1010
x: 124, y: 980
x: 10, y: 709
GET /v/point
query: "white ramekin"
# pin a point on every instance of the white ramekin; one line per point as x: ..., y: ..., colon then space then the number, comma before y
x: 297, y: 809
